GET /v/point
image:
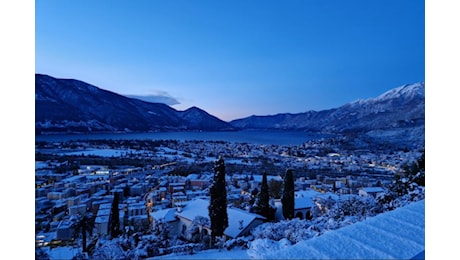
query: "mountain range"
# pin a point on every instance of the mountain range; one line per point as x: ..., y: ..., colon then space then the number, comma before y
x: 69, y: 105
x: 403, y: 106
x: 396, y: 116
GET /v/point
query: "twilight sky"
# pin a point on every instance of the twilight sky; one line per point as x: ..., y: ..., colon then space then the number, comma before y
x: 235, y: 58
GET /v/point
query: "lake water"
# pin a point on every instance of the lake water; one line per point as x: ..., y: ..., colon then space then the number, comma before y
x: 246, y: 136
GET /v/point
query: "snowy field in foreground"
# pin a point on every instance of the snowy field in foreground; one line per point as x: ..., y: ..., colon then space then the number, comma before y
x: 398, y: 234
x: 210, y: 254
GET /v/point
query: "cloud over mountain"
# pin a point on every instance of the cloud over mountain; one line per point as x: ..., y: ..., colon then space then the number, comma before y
x: 161, y: 97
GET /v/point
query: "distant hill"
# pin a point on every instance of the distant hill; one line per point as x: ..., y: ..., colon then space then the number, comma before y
x: 397, y: 113
x: 69, y: 105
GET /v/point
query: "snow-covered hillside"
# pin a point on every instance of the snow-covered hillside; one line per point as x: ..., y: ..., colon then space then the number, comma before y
x: 405, y: 91
x: 400, y: 108
x: 397, y: 234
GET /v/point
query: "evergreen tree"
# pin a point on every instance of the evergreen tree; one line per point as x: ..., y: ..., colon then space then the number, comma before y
x: 84, y: 224
x: 262, y: 205
x: 274, y: 188
x: 115, y: 217
x: 288, y: 195
x: 218, y: 204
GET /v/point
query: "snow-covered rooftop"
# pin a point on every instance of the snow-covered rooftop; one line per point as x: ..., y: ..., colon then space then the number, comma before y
x: 301, y: 203
x: 372, y: 189
x: 199, y: 207
x: 167, y: 214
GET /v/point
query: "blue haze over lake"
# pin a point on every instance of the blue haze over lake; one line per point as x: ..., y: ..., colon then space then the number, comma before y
x: 246, y: 136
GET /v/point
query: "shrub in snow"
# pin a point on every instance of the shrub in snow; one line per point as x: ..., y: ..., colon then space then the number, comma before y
x: 185, y: 249
x: 138, y: 246
x: 162, y: 231
x: 406, y: 188
x: 41, y: 254
x: 192, y: 233
x: 356, y: 206
x: 80, y: 256
x: 293, y: 230
x: 322, y: 205
x: 126, y: 242
x: 110, y: 249
x: 239, y: 242
x: 220, y: 242
x: 329, y: 215
x: 418, y: 193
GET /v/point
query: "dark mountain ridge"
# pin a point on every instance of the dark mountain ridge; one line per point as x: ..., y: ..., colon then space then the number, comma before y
x: 69, y: 105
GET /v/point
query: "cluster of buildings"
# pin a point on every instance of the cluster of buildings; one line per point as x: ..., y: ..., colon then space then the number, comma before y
x: 144, y: 201
x: 147, y: 195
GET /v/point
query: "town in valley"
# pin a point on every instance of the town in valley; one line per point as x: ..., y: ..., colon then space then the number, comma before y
x: 161, y: 191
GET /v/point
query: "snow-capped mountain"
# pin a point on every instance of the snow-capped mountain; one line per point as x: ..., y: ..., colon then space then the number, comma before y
x: 69, y: 105
x: 402, y: 108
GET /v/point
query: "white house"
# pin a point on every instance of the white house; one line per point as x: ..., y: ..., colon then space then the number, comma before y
x: 101, y: 225
x: 303, y: 202
x: 64, y: 230
x: 136, y: 209
x: 370, y: 191
x: 79, y: 209
x: 57, y: 195
x: 240, y: 222
x: 168, y: 216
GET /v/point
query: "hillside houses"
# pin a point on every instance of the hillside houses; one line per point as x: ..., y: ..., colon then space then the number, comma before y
x: 150, y: 191
x: 141, y: 197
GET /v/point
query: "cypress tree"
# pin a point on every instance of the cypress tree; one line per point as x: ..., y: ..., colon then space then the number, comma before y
x: 83, y: 225
x: 262, y: 206
x: 288, y: 195
x: 218, y: 204
x: 115, y: 217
